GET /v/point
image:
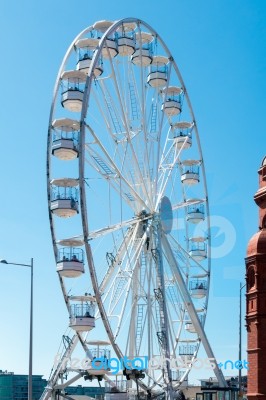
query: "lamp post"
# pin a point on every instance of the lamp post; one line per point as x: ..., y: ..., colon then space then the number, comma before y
x: 31, y: 322
x: 240, y: 340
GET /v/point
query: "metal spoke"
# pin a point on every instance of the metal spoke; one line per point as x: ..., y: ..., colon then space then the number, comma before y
x: 191, y: 308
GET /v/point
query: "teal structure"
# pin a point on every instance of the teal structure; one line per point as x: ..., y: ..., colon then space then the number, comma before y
x: 15, y: 387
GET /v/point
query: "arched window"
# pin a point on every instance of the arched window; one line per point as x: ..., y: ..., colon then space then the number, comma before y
x: 251, y: 278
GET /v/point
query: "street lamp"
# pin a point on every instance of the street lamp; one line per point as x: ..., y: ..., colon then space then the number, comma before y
x: 31, y: 322
x: 240, y: 340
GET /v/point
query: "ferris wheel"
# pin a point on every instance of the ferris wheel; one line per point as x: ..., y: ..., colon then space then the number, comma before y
x: 127, y: 194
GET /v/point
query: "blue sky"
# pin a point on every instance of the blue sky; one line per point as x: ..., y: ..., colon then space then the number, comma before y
x: 219, y: 47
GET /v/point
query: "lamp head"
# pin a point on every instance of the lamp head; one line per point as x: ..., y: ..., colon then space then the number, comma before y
x: 3, y: 262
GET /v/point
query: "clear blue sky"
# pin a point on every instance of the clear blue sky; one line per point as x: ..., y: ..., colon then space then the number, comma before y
x: 219, y: 47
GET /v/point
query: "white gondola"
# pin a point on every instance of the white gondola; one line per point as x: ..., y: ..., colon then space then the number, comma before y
x: 65, y: 140
x: 176, y: 375
x: 110, y: 45
x: 100, y: 356
x: 182, y: 134
x: 186, y: 358
x: 70, y: 262
x: 189, y: 327
x: 198, y: 248
x: 190, y: 174
x: 198, y: 254
x: 86, y: 48
x: 82, y: 323
x: 102, y: 26
x: 82, y: 314
x: 183, y: 141
x: 126, y: 39
x: 100, y: 370
x: 73, y: 90
x: 195, y: 213
x: 100, y: 351
x: 198, y: 288
x: 187, y: 352
x: 172, y: 100
x: 64, y: 197
x: 126, y: 45
x: 142, y: 56
x: 187, y: 349
x: 70, y: 242
x: 158, y: 71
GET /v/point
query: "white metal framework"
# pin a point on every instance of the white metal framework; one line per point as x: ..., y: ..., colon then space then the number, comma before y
x: 123, y: 132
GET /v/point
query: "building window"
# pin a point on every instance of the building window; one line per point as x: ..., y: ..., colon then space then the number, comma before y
x: 251, y: 278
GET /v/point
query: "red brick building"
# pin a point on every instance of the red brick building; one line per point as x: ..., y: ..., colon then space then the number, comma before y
x: 256, y: 298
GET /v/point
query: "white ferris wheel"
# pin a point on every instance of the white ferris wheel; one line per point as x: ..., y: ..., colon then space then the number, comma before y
x: 127, y: 194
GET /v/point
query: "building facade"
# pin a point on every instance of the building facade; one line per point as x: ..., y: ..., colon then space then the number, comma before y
x: 91, y: 391
x: 15, y: 387
x: 256, y: 298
